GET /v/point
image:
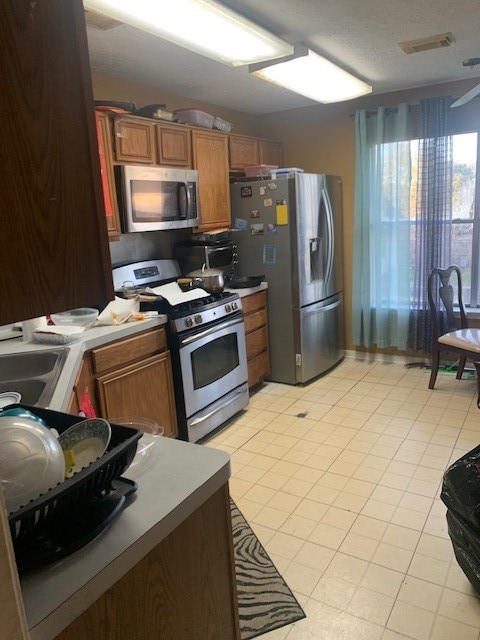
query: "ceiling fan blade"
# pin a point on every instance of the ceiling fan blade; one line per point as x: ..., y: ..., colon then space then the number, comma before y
x: 467, y: 97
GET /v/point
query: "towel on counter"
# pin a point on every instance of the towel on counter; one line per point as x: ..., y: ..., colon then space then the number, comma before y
x: 121, y: 310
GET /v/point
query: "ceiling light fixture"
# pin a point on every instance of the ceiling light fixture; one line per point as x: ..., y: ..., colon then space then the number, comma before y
x: 311, y: 75
x: 203, y: 26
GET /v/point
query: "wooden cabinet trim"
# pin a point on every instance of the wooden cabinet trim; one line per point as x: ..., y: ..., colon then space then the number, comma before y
x: 122, y: 352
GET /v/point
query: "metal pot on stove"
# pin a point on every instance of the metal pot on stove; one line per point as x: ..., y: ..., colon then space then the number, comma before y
x: 209, y: 279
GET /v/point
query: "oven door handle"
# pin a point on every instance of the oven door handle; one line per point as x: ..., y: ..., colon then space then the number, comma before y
x: 209, y: 332
x: 198, y: 421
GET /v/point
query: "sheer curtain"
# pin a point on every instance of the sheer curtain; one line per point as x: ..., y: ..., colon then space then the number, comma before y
x: 432, y: 227
x: 381, y: 276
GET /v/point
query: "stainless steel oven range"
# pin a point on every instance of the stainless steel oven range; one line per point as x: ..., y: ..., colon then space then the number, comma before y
x: 206, y: 339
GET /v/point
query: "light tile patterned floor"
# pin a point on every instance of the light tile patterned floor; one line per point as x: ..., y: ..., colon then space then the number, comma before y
x: 340, y: 480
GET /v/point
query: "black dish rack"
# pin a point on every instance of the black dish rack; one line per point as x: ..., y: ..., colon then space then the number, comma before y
x: 74, y: 512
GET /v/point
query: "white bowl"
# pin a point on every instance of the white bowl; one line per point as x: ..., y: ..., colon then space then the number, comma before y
x: 31, y: 460
x: 84, y: 442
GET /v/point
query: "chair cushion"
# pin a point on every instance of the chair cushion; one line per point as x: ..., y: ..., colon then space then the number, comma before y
x: 468, y: 339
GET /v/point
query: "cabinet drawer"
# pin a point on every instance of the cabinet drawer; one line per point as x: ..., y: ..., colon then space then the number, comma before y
x: 123, y: 352
x: 255, y: 320
x: 254, y: 302
x: 256, y: 342
x: 258, y: 368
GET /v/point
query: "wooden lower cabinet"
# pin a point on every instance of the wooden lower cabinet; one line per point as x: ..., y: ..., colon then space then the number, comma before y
x: 256, y: 337
x: 184, y: 589
x: 142, y: 390
x: 129, y: 378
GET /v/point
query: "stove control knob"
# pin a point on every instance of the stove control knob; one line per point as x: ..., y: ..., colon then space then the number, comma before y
x: 198, y: 318
x: 228, y: 308
x: 189, y: 322
x: 234, y: 306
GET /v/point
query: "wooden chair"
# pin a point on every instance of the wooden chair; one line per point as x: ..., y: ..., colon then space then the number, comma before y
x: 461, y: 340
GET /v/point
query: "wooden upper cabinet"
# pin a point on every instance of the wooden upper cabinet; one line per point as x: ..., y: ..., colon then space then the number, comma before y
x: 54, y: 238
x: 243, y: 151
x: 270, y: 152
x: 108, y: 179
x: 134, y: 139
x: 210, y: 158
x: 174, y: 145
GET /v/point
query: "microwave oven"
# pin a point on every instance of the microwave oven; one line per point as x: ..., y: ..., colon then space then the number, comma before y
x: 193, y: 255
x: 157, y: 198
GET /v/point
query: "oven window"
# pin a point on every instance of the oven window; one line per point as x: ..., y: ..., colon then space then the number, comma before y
x: 220, y: 258
x: 214, y: 360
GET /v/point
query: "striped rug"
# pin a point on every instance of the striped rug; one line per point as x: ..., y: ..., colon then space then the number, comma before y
x: 264, y: 600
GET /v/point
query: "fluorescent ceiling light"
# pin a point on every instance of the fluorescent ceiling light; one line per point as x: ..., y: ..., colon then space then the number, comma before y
x: 309, y: 74
x: 204, y: 26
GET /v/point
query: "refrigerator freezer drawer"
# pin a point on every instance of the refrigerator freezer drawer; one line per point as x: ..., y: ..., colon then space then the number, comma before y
x: 319, y: 337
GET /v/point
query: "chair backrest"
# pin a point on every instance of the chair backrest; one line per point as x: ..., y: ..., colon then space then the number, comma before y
x: 440, y: 290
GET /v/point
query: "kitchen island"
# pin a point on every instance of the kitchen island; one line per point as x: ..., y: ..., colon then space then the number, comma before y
x: 164, y: 567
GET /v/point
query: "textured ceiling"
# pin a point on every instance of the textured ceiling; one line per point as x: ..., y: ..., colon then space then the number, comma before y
x: 362, y: 36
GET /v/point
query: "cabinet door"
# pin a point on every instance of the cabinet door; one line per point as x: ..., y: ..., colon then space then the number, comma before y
x: 243, y: 151
x: 141, y: 390
x: 271, y: 152
x: 54, y: 237
x: 134, y: 140
x: 108, y: 180
x: 174, y: 145
x: 210, y: 157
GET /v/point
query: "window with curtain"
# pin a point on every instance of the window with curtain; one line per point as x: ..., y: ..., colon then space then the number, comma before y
x: 415, y: 209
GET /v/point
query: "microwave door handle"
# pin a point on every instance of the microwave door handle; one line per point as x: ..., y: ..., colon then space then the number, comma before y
x: 188, y: 199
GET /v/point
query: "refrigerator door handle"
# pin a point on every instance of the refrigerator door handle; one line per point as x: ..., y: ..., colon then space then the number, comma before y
x: 322, y: 309
x: 330, y: 237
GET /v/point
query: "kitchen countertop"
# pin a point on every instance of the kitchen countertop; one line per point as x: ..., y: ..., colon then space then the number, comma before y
x: 174, y: 480
x: 91, y: 338
x: 247, y: 292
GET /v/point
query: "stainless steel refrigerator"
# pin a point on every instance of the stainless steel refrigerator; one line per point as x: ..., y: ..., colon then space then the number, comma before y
x: 290, y: 229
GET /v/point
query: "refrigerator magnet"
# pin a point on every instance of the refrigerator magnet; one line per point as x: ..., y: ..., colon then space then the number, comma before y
x: 246, y: 192
x: 269, y: 254
x: 240, y: 224
x: 267, y: 202
x: 254, y: 213
x: 272, y: 229
x: 281, y: 210
x: 263, y: 191
x: 256, y: 229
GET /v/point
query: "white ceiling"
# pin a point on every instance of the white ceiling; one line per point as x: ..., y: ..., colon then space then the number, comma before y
x: 360, y: 35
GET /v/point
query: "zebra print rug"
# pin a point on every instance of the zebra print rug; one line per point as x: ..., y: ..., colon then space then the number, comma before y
x: 264, y: 600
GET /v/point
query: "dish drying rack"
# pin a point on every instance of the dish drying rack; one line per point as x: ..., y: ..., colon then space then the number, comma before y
x: 74, y: 512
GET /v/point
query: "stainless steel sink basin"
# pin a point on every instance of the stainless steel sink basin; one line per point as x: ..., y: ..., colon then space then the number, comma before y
x: 33, y: 375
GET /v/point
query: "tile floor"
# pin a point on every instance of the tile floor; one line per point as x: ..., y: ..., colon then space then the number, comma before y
x: 340, y: 481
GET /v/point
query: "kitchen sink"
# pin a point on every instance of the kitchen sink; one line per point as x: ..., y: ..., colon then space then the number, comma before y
x: 33, y: 375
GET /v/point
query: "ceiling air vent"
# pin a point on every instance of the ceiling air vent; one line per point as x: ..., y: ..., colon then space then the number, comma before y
x: 425, y: 44
x: 97, y: 21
